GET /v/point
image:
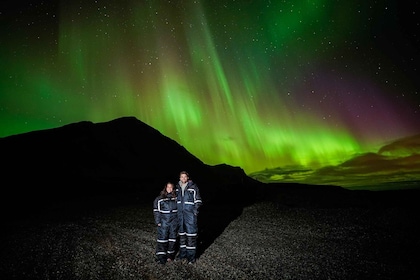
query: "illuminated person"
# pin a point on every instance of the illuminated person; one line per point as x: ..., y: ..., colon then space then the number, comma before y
x: 188, y: 201
x: 166, y: 219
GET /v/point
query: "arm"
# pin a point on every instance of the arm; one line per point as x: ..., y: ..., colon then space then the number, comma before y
x: 197, y: 200
x: 156, y: 212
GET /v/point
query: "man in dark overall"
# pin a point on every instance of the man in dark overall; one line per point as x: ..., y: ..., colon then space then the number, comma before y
x: 188, y: 201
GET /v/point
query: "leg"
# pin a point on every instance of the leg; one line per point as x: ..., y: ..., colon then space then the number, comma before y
x: 173, y: 231
x: 182, y: 239
x: 191, y: 236
x: 162, y: 243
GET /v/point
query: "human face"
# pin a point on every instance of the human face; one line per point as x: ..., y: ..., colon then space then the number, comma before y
x: 183, y: 178
x: 169, y: 188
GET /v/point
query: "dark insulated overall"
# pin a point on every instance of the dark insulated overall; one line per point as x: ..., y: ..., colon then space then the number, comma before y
x: 165, y: 213
x: 188, y: 205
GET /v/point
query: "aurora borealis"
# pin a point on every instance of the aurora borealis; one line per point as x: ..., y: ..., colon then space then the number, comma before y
x: 264, y: 85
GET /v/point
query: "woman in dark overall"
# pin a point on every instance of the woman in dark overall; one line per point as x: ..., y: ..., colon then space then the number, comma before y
x: 166, y: 219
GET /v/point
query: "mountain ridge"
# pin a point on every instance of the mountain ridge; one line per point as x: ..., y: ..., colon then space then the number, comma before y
x: 122, y: 157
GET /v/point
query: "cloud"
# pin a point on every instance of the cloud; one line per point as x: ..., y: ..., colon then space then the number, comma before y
x: 408, y: 145
x: 395, y: 165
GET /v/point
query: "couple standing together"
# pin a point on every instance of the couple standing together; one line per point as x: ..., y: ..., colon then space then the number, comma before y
x: 175, y: 211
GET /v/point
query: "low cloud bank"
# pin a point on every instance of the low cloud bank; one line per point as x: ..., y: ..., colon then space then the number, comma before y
x: 394, y: 166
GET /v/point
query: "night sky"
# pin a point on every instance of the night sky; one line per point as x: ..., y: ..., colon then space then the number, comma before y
x: 311, y: 91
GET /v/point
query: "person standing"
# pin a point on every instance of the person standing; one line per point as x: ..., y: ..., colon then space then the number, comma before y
x: 166, y: 219
x: 188, y: 201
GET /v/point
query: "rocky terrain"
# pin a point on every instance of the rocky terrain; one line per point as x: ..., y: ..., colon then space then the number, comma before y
x: 268, y: 240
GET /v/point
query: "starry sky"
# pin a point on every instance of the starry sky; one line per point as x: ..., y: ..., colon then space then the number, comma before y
x: 318, y: 91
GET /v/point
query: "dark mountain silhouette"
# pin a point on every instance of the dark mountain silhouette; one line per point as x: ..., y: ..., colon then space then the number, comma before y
x: 85, y: 165
x: 124, y: 153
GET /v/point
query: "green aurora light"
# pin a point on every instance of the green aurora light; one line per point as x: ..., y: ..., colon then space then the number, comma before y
x: 255, y: 84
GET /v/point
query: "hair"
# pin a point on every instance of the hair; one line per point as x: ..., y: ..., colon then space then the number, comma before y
x: 184, y: 172
x: 164, y: 193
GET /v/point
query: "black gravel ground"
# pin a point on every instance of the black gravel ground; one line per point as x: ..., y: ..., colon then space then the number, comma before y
x: 267, y: 241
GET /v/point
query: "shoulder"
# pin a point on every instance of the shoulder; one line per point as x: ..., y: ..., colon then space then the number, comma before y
x: 191, y: 184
